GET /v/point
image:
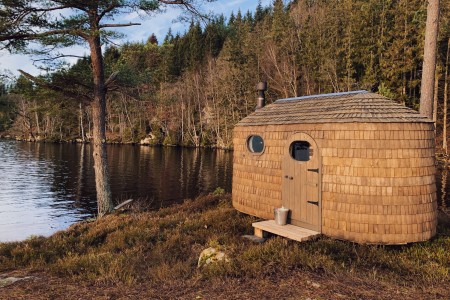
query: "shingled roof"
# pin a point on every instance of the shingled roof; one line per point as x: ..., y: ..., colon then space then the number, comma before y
x: 349, y: 107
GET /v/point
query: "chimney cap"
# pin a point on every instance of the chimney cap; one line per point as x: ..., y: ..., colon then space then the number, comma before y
x: 262, y: 86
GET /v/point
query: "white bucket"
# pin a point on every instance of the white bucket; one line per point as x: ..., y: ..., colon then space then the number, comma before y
x: 281, y: 215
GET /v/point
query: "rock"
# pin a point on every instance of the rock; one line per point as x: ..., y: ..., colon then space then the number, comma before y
x: 254, y: 238
x: 313, y: 284
x: 211, y: 255
x: 10, y: 280
x: 149, y: 140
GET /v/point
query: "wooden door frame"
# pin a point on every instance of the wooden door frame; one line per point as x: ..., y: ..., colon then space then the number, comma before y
x: 303, y: 136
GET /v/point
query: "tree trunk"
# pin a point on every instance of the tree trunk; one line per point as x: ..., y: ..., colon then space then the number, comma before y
x: 435, y: 97
x: 429, y: 59
x: 446, y: 80
x: 36, y: 116
x: 81, y: 124
x: 104, y: 199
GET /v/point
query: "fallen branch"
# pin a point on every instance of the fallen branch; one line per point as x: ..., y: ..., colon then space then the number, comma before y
x: 123, y: 204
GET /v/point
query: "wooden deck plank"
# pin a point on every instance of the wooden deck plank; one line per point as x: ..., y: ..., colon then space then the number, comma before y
x: 288, y: 231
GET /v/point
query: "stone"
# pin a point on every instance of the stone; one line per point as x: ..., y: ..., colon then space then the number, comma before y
x: 10, y: 280
x: 151, y: 139
x: 211, y: 255
x: 254, y: 238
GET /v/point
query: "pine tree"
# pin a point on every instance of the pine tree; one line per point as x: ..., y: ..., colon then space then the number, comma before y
x: 63, y: 23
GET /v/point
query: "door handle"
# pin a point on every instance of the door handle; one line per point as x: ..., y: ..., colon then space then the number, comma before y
x: 313, y: 170
x: 314, y: 202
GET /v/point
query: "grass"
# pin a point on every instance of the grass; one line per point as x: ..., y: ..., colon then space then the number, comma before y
x: 160, y: 246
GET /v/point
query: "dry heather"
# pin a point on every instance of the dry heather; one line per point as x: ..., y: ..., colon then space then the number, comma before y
x: 162, y: 248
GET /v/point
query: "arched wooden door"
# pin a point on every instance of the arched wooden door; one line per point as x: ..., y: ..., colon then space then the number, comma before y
x: 301, y: 181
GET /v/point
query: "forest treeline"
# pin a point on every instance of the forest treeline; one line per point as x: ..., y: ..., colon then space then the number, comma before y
x: 191, y: 89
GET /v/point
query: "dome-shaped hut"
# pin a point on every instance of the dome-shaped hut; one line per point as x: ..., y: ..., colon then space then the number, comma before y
x: 354, y: 166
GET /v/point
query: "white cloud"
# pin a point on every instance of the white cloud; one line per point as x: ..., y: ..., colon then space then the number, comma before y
x: 131, y: 16
x: 15, y: 62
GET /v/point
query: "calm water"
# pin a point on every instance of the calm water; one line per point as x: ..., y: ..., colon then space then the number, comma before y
x: 47, y: 187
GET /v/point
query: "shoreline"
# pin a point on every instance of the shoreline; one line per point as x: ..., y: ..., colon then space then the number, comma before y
x: 108, y: 142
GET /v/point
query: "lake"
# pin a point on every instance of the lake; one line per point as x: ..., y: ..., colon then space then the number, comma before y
x: 46, y: 187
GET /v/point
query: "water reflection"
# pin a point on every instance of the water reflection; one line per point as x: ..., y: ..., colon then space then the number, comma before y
x: 29, y: 203
x: 47, y: 187
x: 166, y: 175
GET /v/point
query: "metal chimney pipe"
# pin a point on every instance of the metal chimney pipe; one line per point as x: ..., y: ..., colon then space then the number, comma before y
x: 261, y: 88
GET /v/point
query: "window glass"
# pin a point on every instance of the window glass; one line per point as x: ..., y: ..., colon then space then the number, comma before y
x: 300, y: 151
x: 255, y: 144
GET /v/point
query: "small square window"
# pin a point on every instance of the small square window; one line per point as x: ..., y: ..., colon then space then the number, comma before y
x: 300, y: 150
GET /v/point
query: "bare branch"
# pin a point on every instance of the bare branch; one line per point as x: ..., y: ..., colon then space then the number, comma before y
x: 118, y: 25
x: 189, y: 7
x: 57, y: 57
x: 180, y: 2
x: 110, y: 81
x: 107, y: 10
x: 47, y: 9
x: 109, y: 41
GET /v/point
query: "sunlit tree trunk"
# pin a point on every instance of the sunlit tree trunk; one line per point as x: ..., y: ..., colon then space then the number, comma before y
x: 429, y: 59
x: 104, y: 199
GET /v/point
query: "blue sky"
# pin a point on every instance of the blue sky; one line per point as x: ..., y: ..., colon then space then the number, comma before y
x: 158, y: 24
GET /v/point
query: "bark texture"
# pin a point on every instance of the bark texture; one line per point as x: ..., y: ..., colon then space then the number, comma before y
x: 429, y: 59
x: 104, y: 199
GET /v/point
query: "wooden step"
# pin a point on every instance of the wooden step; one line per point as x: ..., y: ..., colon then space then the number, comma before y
x: 288, y: 231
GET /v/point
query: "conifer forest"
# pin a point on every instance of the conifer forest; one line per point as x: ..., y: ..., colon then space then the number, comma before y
x: 191, y: 88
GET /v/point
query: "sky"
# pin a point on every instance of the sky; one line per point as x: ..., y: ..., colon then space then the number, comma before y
x: 158, y: 24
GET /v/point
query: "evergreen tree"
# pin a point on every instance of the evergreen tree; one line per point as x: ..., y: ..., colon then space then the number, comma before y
x: 215, y: 34
x: 152, y: 39
x: 168, y: 39
x: 195, y: 44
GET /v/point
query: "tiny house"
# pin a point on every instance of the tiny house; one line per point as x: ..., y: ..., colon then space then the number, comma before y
x: 354, y: 166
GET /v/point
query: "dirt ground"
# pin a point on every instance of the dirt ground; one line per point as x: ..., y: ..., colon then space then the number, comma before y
x: 300, y: 285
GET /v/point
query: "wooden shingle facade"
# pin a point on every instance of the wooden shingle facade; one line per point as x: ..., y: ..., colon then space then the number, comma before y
x: 368, y: 175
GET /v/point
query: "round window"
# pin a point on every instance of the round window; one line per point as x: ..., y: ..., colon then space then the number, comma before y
x: 300, y: 151
x: 255, y: 144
